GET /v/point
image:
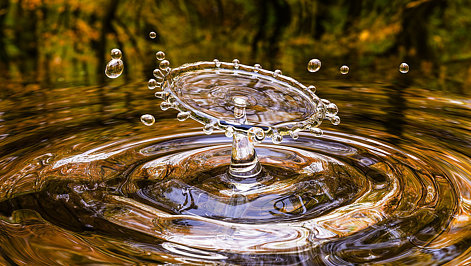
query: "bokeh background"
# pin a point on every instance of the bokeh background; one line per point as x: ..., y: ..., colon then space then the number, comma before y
x: 52, y: 42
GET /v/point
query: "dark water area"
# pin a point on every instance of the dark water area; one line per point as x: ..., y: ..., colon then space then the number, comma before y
x: 84, y: 182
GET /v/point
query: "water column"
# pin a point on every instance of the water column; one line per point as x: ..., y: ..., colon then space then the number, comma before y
x: 244, y: 161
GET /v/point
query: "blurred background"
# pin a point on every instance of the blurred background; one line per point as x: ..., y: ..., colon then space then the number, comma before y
x: 52, y: 42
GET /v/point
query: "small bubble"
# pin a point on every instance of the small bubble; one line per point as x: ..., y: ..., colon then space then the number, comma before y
x: 256, y: 67
x: 404, y: 68
x: 152, y: 84
x: 164, y: 64
x: 114, y: 68
x: 116, y: 54
x: 316, y: 131
x: 277, y: 73
x: 277, y: 139
x: 314, y: 65
x: 335, y: 120
x: 236, y: 63
x: 165, y: 105
x: 152, y: 35
x: 208, y: 129
x: 182, y: 116
x: 256, y: 134
x: 344, y: 69
x: 148, y: 119
x: 160, y: 55
x: 312, y: 88
x: 229, y: 131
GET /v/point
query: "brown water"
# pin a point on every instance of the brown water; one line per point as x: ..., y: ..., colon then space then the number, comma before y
x: 82, y: 181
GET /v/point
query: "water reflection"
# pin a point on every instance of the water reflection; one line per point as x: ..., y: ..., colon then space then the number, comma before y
x: 391, y: 183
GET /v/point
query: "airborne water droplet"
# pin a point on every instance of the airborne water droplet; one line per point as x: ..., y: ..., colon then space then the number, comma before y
x: 404, y: 68
x: 114, y: 68
x: 312, y: 88
x: 160, y: 55
x: 344, y: 69
x: 148, y: 119
x: 152, y: 35
x: 116, y: 54
x: 276, y: 73
x: 314, y: 65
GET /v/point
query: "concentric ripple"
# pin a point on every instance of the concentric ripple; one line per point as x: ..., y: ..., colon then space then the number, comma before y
x: 338, y: 199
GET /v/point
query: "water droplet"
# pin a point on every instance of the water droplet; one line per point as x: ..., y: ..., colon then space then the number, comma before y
x: 165, y: 105
x: 277, y: 73
x: 160, y: 55
x: 159, y: 76
x: 314, y: 65
x: 344, y: 69
x: 277, y: 139
x: 335, y: 120
x: 182, y: 116
x: 404, y: 68
x: 116, y: 54
x: 256, y: 68
x: 294, y: 134
x: 316, y: 131
x: 217, y: 63
x: 161, y: 95
x: 152, y: 84
x: 152, y: 35
x: 208, y: 129
x: 236, y: 63
x: 114, y: 68
x: 229, y: 131
x: 164, y: 64
x: 256, y: 134
x: 312, y: 88
x: 148, y: 119
x: 332, y: 109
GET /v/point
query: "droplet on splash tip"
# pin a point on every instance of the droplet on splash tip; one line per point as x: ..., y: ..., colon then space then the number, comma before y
x: 256, y: 134
x: 208, y: 129
x: 182, y: 116
x: 314, y: 65
x: 236, y: 63
x: 404, y: 68
x: 332, y: 109
x: 152, y: 35
x: 316, y: 131
x: 114, y: 68
x: 116, y: 54
x: 160, y: 55
x: 148, y: 119
x: 312, y: 88
x: 344, y: 69
x: 217, y: 63
x: 152, y: 84
x: 165, y: 105
x: 164, y: 64
x: 257, y: 67
x: 276, y: 73
x: 335, y: 120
